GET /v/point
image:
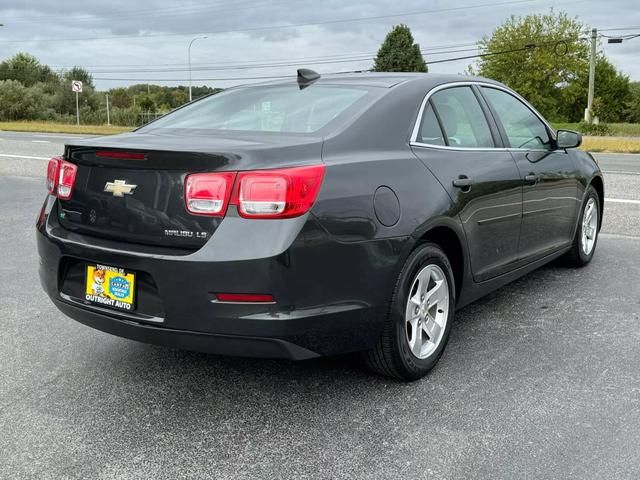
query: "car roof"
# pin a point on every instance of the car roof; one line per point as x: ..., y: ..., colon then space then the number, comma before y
x: 382, y: 79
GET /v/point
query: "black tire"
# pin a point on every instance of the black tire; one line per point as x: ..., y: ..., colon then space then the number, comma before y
x: 392, y: 355
x: 576, y: 257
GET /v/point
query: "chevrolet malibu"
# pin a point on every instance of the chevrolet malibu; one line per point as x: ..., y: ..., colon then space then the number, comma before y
x: 315, y: 216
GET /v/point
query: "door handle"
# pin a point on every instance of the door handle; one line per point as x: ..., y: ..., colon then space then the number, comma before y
x: 463, y: 182
x: 531, y: 178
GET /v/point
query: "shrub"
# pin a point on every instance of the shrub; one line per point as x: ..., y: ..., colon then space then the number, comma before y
x: 600, y: 129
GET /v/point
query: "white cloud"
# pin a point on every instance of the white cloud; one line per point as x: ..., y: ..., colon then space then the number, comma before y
x: 30, y: 27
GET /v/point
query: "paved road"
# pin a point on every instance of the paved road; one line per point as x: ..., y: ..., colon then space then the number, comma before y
x: 540, y: 380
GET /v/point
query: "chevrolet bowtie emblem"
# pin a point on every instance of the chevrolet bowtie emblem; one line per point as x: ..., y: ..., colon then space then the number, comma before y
x: 119, y: 188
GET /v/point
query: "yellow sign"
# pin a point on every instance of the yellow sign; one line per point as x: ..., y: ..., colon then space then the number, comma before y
x: 110, y: 287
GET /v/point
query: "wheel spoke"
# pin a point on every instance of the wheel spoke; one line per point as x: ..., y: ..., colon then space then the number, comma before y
x: 432, y: 328
x: 437, y: 295
x: 412, y: 313
x: 416, y: 297
x: 588, y: 214
x: 415, y: 342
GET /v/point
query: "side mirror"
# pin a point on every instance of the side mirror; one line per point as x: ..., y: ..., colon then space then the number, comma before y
x: 568, y: 139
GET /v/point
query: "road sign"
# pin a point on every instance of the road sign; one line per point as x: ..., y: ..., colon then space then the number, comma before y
x: 76, y: 86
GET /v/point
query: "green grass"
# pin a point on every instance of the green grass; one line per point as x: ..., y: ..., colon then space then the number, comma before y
x: 51, y: 127
x: 612, y: 145
x: 617, y: 129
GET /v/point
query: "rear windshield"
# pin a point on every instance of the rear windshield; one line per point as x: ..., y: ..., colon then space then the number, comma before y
x: 267, y: 109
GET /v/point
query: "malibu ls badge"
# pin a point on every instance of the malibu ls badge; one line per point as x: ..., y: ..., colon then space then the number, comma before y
x: 119, y: 188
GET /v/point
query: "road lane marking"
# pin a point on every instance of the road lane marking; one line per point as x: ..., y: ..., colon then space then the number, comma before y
x: 40, y: 141
x: 612, y: 154
x: 60, y: 135
x: 619, y: 235
x: 620, y: 173
x: 28, y: 157
x: 622, y: 200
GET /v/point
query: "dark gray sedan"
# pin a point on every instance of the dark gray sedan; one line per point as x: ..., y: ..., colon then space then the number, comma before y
x: 316, y: 216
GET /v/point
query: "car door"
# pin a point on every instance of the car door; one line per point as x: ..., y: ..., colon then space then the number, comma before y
x: 550, y: 190
x: 458, y: 143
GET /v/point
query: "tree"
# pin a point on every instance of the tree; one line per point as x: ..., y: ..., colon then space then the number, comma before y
x: 120, y: 97
x: 399, y: 53
x: 65, y: 98
x: 26, y: 69
x: 536, y: 55
x: 18, y: 102
x: 146, y: 103
x: 611, y: 96
x: 632, y: 111
x: 11, y: 94
x: 78, y: 73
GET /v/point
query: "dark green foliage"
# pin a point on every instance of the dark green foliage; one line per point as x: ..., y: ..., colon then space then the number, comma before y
x: 31, y: 91
x: 611, y: 99
x: 146, y: 103
x: 554, y: 74
x: 27, y: 70
x: 399, y: 53
x: 632, y: 108
x: 539, y: 74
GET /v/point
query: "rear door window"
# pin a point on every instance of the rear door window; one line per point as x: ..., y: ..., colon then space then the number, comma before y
x: 463, y: 120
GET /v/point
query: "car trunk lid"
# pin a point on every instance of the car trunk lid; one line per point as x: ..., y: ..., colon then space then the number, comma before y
x: 131, y: 187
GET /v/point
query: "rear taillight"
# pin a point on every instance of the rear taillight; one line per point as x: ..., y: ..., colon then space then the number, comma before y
x: 282, y: 193
x: 52, y: 174
x: 66, y: 179
x: 208, y: 193
x: 61, y: 176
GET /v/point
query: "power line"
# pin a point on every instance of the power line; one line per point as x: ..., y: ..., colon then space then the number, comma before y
x: 434, y: 50
x: 159, y: 12
x: 259, y: 66
x: 527, y: 47
x: 617, y: 29
x: 276, y: 27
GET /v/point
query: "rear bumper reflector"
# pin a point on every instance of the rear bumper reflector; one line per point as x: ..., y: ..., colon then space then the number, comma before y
x: 244, y: 298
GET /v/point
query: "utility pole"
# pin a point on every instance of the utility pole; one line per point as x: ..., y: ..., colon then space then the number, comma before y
x: 108, y: 119
x: 588, y: 113
x: 77, y: 111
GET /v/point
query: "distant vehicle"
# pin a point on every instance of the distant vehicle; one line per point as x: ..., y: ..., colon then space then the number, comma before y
x: 315, y: 216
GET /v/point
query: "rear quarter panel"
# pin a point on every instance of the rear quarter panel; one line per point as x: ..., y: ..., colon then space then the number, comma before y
x: 372, y: 153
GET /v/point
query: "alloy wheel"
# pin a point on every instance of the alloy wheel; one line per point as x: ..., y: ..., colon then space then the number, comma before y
x: 589, y: 226
x: 427, y: 311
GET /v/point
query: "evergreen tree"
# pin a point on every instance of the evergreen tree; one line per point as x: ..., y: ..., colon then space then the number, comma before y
x: 399, y: 53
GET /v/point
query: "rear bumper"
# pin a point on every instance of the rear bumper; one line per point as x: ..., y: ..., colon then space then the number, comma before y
x: 330, y: 296
x: 233, y: 345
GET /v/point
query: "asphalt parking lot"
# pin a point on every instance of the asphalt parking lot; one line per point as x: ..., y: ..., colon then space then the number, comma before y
x: 541, y: 379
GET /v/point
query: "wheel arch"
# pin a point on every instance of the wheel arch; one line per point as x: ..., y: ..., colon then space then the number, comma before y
x: 449, y: 240
x: 598, y: 184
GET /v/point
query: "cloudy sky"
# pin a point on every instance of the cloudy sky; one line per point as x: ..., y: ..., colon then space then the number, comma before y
x: 123, y: 41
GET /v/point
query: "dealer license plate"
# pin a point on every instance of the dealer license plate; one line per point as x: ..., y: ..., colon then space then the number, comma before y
x: 111, y: 287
